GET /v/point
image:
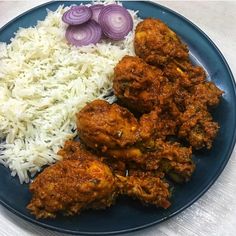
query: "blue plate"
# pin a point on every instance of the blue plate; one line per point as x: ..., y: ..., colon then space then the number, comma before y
x: 128, y: 215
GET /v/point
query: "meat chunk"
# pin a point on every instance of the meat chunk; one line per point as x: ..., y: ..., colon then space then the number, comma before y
x: 205, y: 93
x: 71, y: 186
x: 101, y: 125
x: 197, y: 126
x: 137, y: 84
x: 158, y: 124
x: 157, y: 44
x: 172, y: 103
x: 149, y: 188
x: 74, y: 150
x: 183, y: 73
x: 149, y: 151
x: 152, y: 187
x: 169, y: 157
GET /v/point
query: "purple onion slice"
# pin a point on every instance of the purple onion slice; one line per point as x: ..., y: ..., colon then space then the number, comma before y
x: 116, y: 22
x: 77, y: 15
x: 96, y: 9
x: 85, y: 34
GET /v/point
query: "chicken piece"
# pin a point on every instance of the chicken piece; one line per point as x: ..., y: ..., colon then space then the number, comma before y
x: 146, y: 151
x: 102, y: 126
x: 157, y: 124
x: 142, y: 87
x: 70, y: 186
x: 137, y: 84
x: 147, y: 187
x: 197, y: 126
x: 191, y: 85
x: 118, y: 167
x: 148, y: 125
x: 205, y: 93
x: 171, y: 158
x: 157, y: 44
x: 184, y: 73
x: 157, y: 192
x: 74, y: 150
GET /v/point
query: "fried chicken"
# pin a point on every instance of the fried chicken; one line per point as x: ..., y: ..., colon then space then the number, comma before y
x: 183, y: 73
x: 82, y: 181
x: 143, y: 88
x: 197, y: 126
x: 70, y: 186
x: 149, y: 151
x: 175, y: 87
x: 148, y: 187
x: 205, y: 93
x: 101, y: 125
x: 120, y: 153
x: 157, y: 44
x: 74, y: 150
x: 158, y: 124
x: 137, y: 84
x: 169, y: 157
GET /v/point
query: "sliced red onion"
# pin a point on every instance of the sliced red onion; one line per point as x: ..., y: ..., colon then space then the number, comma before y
x: 116, y: 22
x: 85, y: 34
x: 96, y: 9
x: 77, y: 15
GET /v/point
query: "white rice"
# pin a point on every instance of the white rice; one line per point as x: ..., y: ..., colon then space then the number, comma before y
x: 44, y: 82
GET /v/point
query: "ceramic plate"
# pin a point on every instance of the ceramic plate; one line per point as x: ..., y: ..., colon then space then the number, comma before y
x: 128, y: 215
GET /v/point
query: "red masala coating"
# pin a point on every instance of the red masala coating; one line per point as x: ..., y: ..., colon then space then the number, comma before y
x: 156, y: 43
x: 70, y: 186
x: 137, y: 84
x: 105, y: 126
x: 147, y: 187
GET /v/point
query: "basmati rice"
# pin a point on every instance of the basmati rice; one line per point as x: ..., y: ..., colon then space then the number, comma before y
x: 44, y: 82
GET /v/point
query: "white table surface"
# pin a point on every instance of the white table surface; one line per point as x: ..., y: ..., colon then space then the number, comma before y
x: 214, y: 214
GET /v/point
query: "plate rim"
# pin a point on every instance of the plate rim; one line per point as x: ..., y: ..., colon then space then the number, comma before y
x: 199, y: 195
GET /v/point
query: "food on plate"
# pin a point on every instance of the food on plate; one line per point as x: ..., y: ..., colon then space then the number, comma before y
x: 44, y: 82
x: 96, y: 9
x: 206, y: 93
x: 137, y: 84
x: 178, y: 110
x: 171, y: 158
x: 116, y: 21
x: 157, y: 44
x: 103, y: 126
x: 138, y: 146
x: 81, y: 181
x: 197, y: 126
x: 73, y: 150
x: 183, y: 72
x: 77, y: 15
x: 70, y: 186
x: 113, y: 131
x: 87, y: 24
x: 85, y: 34
x: 158, y: 124
x: 148, y: 187
x: 175, y: 87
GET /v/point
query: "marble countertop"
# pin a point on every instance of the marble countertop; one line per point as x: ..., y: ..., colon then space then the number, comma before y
x: 214, y: 214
